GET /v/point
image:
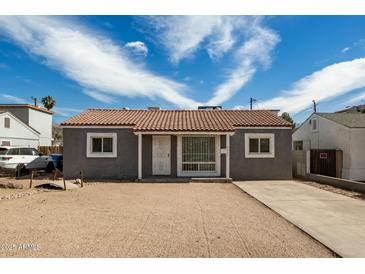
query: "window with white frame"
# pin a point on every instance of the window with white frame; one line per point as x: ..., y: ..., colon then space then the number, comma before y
x: 198, y: 154
x: 259, y: 145
x: 314, y: 123
x: 101, y: 145
x: 6, y: 122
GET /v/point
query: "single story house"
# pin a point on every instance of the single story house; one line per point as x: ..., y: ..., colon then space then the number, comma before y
x: 14, y: 132
x: 153, y: 143
x: 34, y: 117
x: 342, y: 132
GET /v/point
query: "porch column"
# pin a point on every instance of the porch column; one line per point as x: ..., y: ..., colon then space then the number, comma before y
x: 139, y: 156
x: 227, y: 155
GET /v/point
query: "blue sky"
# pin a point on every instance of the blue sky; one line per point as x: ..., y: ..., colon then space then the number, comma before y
x: 180, y: 62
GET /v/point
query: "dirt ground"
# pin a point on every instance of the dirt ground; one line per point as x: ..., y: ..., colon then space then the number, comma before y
x: 348, y: 193
x: 148, y: 220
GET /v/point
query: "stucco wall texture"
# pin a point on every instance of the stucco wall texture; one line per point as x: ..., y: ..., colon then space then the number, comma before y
x: 125, y: 166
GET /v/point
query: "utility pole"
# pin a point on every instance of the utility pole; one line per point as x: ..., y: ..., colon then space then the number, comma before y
x: 314, y: 105
x: 35, y: 100
x: 252, y: 100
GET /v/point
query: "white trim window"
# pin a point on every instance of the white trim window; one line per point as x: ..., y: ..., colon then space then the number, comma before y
x: 314, y: 124
x: 259, y: 145
x: 198, y: 155
x: 101, y: 145
x: 6, y: 122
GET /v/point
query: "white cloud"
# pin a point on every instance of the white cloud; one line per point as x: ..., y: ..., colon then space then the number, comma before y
x: 108, y: 25
x: 344, y: 50
x: 137, y: 47
x: 223, y: 39
x: 99, y: 96
x: 358, y: 99
x: 322, y: 85
x: 182, y: 35
x: 248, y: 38
x: 92, y: 60
x: 360, y: 43
x: 254, y: 52
x: 65, y: 111
x: 12, y: 98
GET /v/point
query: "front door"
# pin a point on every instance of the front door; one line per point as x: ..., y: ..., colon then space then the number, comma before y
x: 161, y: 149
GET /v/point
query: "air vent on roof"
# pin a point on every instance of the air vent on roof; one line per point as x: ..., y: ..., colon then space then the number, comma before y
x: 154, y: 108
x: 209, y: 107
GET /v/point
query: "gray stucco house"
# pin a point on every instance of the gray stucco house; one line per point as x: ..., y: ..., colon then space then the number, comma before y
x: 153, y: 143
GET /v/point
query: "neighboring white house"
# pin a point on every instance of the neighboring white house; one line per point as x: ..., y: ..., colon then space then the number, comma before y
x: 35, y: 118
x: 342, y: 131
x: 13, y: 132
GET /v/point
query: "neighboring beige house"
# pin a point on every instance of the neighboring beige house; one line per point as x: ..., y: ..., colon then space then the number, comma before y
x: 25, y: 125
x: 332, y: 131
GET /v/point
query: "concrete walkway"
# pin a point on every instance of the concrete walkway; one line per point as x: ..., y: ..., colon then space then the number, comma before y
x: 335, y: 220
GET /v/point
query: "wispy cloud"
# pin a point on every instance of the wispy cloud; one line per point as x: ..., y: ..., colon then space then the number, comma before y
x: 344, y: 50
x: 92, y: 60
x: 360, y: 98
x: 360, y: 43
x: 253, y: 53
x: 137, y: 47
x: 246, y: 38
x: 108, y: 25
x: 12, y: 98
x: 99, y: 96
x: 65, y: 111
x: 183, y: 35
x: 322, y: 85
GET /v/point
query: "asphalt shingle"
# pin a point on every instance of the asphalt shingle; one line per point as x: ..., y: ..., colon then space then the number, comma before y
x: 351, y: 120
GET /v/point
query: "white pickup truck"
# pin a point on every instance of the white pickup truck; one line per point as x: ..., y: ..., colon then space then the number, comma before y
x: 11, y: 157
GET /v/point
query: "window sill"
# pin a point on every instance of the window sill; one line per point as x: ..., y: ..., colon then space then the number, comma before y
x: 260, y: 155
x: 198, y: 173
x: 101, y: 155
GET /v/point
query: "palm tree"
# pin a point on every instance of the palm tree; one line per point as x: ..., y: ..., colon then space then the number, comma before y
x: 48, y: 102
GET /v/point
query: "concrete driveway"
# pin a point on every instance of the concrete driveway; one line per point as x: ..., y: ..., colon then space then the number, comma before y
x: 149, y: 220
x: 333, y: 219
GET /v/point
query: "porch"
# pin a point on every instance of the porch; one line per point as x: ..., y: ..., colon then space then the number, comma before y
x: 185, y: 180
x: 183, y: 157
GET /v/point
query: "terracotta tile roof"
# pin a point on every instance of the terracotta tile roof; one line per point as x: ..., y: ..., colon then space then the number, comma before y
x: 178, y: 120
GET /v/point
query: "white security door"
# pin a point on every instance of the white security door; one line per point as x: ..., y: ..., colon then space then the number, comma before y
x: 161, y: 149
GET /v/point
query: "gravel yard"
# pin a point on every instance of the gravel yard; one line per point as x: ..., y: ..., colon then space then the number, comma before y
x: 149, y: 220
